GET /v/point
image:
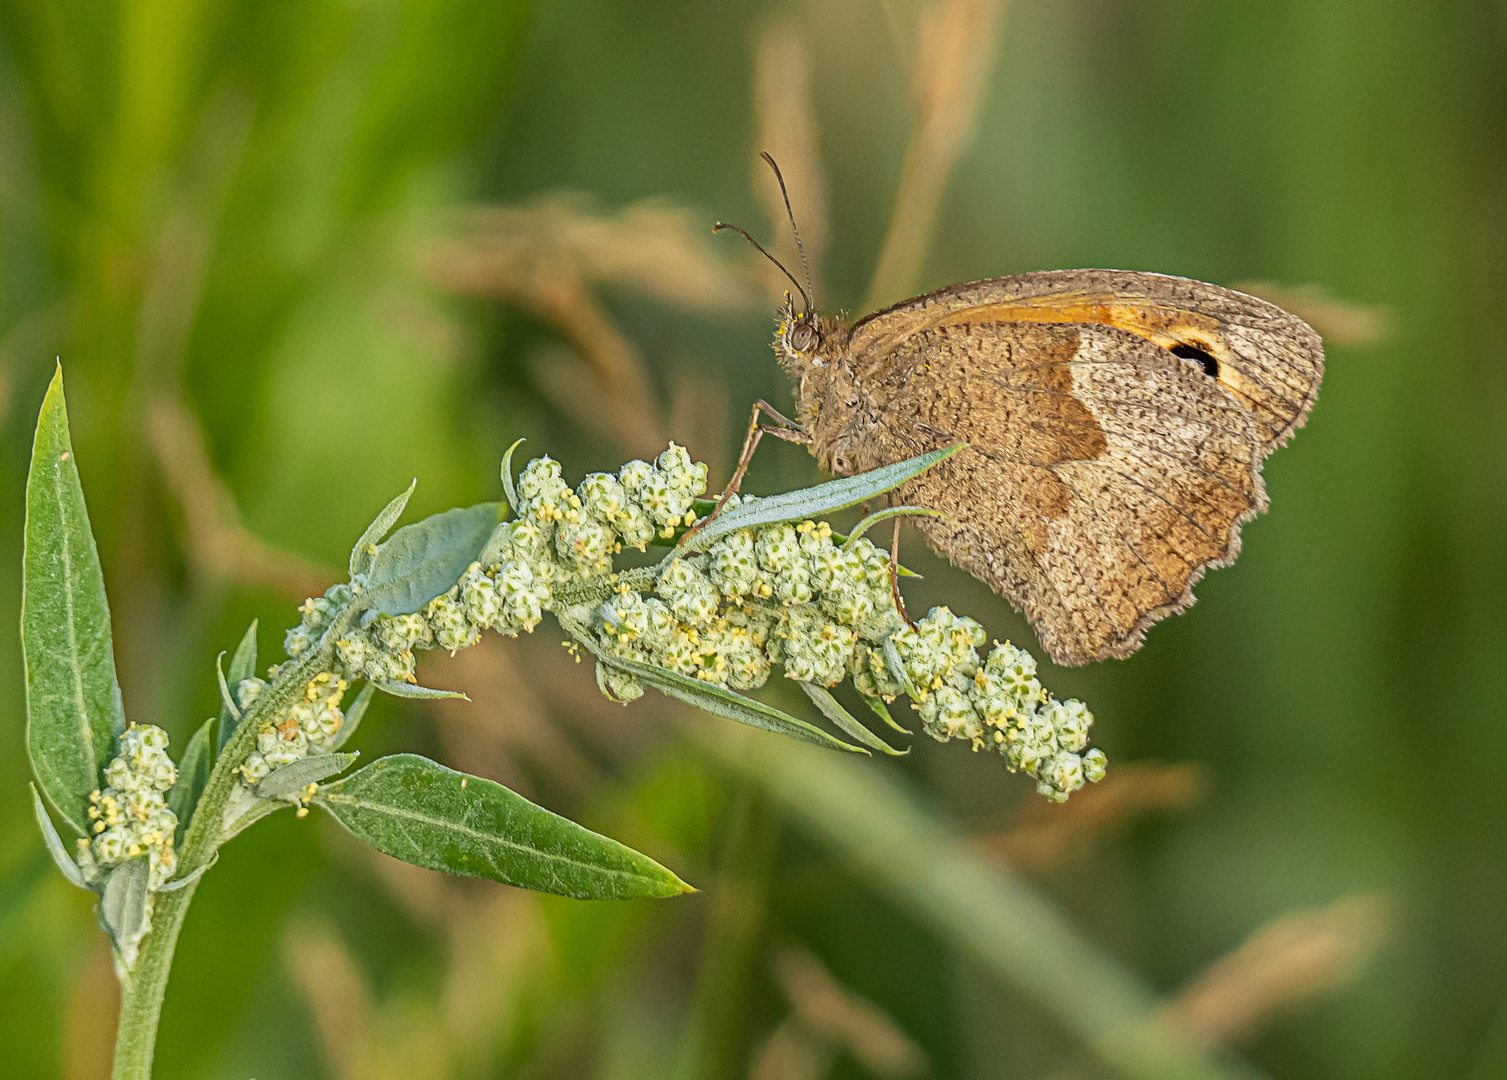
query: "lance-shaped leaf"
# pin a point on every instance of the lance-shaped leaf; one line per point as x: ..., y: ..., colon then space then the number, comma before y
x: 287, y: 780
x: 883, y: 515
x: 814, y: 502
x: 412, y: 690
x: 242, y: 667
x: 703, y: 507
x: 718, y: 701
x: 193, y: 774
x: 125, y: 908
x: 897, y: 668
x: 73, y: 709
x: 509, y: 488
x: 424, y: 559
x: 366, y: 548
x: 353, y: 716
x: 881, y: 710
x: 832, y: 709
x: 60, y: 857
x: 423, y: 813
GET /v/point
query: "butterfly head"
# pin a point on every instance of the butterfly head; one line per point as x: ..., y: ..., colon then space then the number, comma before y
x: 798, y: 338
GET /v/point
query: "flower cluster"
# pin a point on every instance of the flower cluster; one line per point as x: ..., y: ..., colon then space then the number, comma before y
x: 130, y: 817
x: 789, y: 595
x: 306, y: 727
x: 998, y: 704
x: 783, y: 595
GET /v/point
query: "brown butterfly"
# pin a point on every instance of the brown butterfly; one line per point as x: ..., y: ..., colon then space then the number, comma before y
x: 1116, y: 425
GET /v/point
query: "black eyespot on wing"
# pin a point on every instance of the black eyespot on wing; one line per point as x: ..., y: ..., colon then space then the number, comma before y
x: 1193, y: 352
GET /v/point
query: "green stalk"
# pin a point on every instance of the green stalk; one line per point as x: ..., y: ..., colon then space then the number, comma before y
x: 143, y: 989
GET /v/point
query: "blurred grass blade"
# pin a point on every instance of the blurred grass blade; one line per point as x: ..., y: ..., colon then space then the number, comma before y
x: 193, y: 773
x: 814, y: 502
x: 366, y: 548
x: 424, y: 559
x: 998, y: 920
x: 242, y: 667
x: 73, y: 708
x: 60, y: 857
x: 353, y: 716
x: 832, y: 709
x: 423, y: 813
x: 287, y: 780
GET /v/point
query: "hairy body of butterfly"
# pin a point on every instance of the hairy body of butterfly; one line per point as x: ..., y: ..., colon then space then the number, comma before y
x: 1116, y: 425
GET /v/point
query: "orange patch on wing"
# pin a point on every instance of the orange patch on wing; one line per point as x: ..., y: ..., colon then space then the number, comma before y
x: 1159, y: 324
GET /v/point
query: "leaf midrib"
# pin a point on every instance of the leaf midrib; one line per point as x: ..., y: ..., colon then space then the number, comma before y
x: 399, y: 812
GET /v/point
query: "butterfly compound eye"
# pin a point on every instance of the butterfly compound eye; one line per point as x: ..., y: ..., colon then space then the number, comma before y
x: 803, y: 337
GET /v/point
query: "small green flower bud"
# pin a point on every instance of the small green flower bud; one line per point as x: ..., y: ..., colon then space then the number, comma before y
x: 733, y: 566
x: 777, y: 548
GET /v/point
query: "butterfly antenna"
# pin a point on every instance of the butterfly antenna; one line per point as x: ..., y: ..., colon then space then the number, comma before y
x: 805, y: 296
x: 793, y: 227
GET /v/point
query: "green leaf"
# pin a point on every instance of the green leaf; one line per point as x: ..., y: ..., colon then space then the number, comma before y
x: 125, y: 907
x: 423, y: 813
x: 193, y: 774
x: 353, y: 716
x: 508, y: 487
x: 60, y: 857
x: 884, y: 515
x: 242, y: 667
x: 881, y: 710
x: 287, y: 780
x: 227, y: 703
x: 832, y: 709
x: 409, y: 690
x: 719, y: 701
x: 366, y: 548
x: 703, y: 507
x: 813, y: 502
x: 73, y: 709
x: 424, y: 559
x: 897, y: 669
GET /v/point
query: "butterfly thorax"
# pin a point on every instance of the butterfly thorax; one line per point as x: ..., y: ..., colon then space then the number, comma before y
x: 813, y: 349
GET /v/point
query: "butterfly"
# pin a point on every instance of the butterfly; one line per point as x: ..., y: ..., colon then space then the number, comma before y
x: 1116, y: 423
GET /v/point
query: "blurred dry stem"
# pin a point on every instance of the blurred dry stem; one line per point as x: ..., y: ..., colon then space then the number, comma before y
x: 957, y: 41
x: 216, y: 542
x: 1339, y: 322
x: 497, y: 948
x: 1290, y: 961
x: 550, y: 256
x: 785, y: 115
x: 826, y: 1012
x: 505, y: 733
x: 1045, y: 835
x: 1285, y: 964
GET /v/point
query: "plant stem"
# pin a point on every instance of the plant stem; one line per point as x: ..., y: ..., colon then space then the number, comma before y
x: 143, y: 987
x: 141, y: 990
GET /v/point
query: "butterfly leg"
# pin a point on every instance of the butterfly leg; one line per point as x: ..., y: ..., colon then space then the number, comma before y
x: 895, y: 575
x: 788, y: 430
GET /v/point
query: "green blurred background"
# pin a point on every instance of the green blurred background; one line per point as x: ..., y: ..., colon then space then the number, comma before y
x: 293, y: 254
